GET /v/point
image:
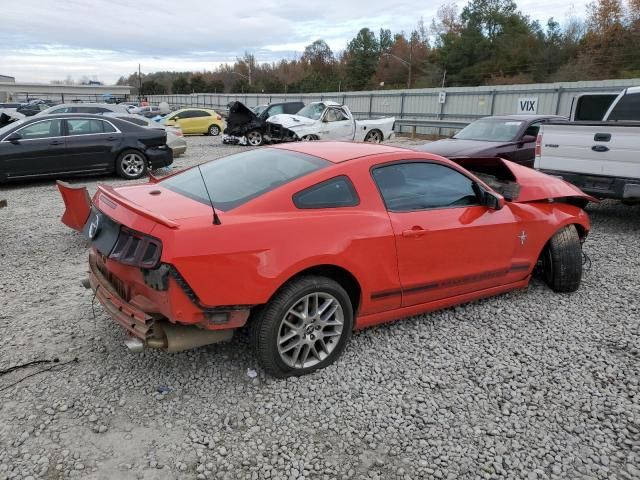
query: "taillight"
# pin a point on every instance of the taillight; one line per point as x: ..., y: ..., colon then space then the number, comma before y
x: 539, y: 145
x: 136, y: 249
x: 178, y: 133
x: 218, y: 117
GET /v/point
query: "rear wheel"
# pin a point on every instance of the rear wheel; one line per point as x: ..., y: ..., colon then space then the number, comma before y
x: 309, y: 138
x: 214, y: 130
x: 131, y: 164
x: 562, y: 260
x: 373, y: 136
x: 306, y: 326
x: 254, y: 138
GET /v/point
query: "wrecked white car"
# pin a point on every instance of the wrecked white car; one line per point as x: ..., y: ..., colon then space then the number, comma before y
x: 327, y: 121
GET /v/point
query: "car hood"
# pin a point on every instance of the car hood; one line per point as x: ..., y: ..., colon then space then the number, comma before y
x: 452, y: 147
x: 532, y: 185
x: 291, y: 121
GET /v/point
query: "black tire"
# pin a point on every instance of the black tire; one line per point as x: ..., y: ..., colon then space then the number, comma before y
x: 562, y: 261
x: 310, y: 138
x: 213, y: 130
x: 131, y: 164
x: 271, y: 321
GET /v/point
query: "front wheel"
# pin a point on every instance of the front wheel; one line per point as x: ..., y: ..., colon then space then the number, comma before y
x: 131, y: 164
x: 254, y: 138
x: 309, y: 138
x: 562, y: 260
x: 214, y: 130
x: 306, y: 326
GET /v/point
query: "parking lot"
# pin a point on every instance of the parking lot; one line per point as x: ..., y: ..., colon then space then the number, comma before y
x: 530, y: 384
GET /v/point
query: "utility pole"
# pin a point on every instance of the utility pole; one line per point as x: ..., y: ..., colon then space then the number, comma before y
x: 139, y: 82
x: 410, y: 62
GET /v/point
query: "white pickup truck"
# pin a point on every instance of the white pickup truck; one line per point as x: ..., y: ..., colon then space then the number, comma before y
x: 601, y: 158
x: 327, y: 121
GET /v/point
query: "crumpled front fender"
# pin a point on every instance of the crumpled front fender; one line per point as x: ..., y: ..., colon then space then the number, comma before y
x: 77, y: 205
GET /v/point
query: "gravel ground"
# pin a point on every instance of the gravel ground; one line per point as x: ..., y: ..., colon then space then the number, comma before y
x: 529, y: 385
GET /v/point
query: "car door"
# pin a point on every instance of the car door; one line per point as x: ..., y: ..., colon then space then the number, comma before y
x: 201, y: 121
x: 91, y: 143
x: 448, y: 244
x: 185, y: 120
x: 41, y: 150
x: 523, y: 152
x: 336, y: 125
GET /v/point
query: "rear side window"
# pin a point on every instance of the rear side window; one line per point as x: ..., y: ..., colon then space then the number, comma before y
x: 137, y: 121
x: 234, y: 180
x: 199, y: 113
x: 628, y: 108
x: 334, y: 193
x: 88, y: 126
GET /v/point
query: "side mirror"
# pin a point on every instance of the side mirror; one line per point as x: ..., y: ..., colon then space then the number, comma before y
x: 174, y: 118
x: 14, y: 137
x: 493, y: 200
x: 325, y: 120
x: 528, y: 139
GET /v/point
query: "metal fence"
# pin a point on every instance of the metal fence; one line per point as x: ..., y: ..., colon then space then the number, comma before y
x: 463, y: 104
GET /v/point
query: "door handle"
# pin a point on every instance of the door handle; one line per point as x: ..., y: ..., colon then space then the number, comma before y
x: 602, y: 137
x: 600, y: 148
x: 56, y: 142
x: 111, y: 139
x: 414, y: 232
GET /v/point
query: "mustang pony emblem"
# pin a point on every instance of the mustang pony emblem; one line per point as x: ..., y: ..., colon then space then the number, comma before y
x: 522, y: 237
x: 94, y: 227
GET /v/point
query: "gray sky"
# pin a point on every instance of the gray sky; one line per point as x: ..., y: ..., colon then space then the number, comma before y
x: 46, y: 40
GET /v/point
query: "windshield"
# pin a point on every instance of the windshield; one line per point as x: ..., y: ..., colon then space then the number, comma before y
x: 491, y: 130
x: 236, y: 179
x: 312, y: 111
x: 259, y: 109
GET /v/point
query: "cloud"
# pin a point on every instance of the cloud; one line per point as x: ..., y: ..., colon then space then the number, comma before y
x: 108, y: 38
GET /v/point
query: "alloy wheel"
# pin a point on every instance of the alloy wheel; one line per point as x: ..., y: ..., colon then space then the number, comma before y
x: 310, y: 330
x: 132, y: 164
x: 374, y: 137
x: 254, y: 138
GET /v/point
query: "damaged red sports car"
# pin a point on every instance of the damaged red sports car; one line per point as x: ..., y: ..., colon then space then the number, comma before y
x: 305, y: 242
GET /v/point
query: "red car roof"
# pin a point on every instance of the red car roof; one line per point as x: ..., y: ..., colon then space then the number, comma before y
x: 337, y: 152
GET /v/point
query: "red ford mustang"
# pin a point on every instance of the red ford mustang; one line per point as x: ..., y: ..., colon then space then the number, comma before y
x: 305, y: 242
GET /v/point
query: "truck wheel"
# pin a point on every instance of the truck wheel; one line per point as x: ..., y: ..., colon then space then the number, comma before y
x: 304, y: 327
x: 254, y: 138
x: 131, y: 164
x: 562, y: 260
x: 373, y: 136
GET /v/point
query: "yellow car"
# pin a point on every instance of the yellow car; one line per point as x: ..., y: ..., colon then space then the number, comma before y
x: 195, y: 121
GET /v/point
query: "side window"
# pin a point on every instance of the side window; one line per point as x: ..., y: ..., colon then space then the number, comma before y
x: 136, y: 121
x: 276, y: 110
x: 60, y: 110
x: 628, y: 108
x: 44, y: 129
x: 199, y: 113
x: 533, y: 129
x: 333, y: 193
x: 79, y: 126
x: 186, y: 114
x: 413, y: 186
x: 334, y: 115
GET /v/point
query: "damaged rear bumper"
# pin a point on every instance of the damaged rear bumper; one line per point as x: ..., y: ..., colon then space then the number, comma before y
x: 139, y: 315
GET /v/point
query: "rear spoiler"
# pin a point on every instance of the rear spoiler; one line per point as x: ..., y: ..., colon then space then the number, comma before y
x: 113, y: 194
x: 78, y: 205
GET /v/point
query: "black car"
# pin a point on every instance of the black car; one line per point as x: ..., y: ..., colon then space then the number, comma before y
x: 511, y: 137
x: 252, y: 124
x: 34, y: 107
x: 70, y: 144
